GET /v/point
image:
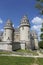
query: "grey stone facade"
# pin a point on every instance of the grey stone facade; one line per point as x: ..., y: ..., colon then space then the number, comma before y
x: 18, y: 38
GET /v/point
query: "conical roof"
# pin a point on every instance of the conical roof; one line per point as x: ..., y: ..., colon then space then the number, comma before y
x: 25, y: 21
x: 8, y: 24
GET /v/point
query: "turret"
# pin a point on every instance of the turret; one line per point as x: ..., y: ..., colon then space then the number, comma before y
x: 8, y: 31
x: 25, y: 31
x: 35, y: 40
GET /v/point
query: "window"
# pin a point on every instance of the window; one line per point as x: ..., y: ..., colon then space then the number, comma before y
x: 8, y: 38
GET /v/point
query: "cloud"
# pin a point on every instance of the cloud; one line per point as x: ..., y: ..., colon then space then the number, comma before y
x: 13, y: 25
x: 36, y: 27
x: 1, y: 29
x: 1, y: 21
x: 37, y: 24
x: 36, y: 20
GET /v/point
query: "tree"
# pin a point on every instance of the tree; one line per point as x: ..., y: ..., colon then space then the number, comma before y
x: 41, y: 37
x: 39, y: 6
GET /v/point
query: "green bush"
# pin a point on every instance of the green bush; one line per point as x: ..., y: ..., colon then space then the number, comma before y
x: 41, y: 36
x: 41, y: 29
x: 41, y: 44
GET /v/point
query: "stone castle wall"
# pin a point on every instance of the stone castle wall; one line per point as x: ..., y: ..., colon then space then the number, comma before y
x: 5, y: 46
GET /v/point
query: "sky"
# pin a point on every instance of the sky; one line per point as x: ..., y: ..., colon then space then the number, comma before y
x: 16, y: 9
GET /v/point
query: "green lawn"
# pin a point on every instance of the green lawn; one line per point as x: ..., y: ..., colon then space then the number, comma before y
x: 8, y: 60
x: 40, y: 61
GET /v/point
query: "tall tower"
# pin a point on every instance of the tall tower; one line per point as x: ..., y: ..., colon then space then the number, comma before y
x: 8, y: 31
x: 35, y: 40
x: 25, y: 31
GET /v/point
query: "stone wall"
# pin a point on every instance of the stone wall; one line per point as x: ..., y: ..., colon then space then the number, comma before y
x: 18, y: 45
x: 5, y: 46
x: 16, y: 37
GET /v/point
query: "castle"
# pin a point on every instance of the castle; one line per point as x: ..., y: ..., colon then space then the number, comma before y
x: 19, y: 38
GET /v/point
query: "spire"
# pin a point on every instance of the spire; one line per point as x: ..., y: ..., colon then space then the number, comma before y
x: 8, y: 24
x: 25, y: 21
x: 25, y: 17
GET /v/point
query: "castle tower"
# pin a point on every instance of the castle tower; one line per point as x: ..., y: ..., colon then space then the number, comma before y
x: 35, y: 40
x: 8, y: 31
x: 8, y: 36
x: 25, y: 32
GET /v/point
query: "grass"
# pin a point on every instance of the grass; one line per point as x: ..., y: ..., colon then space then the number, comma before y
x: 21, y: 51
x: 8, y: 60
x: 41, y: 51
x: 40, y: 61
x: 5, y: 52
x: 28, y: 51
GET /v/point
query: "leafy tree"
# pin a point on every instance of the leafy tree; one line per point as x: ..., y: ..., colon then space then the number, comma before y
x: 39, y: 6
x: 41, y: 37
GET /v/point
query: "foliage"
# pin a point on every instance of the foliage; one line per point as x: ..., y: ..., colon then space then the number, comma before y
x: 41, y: 36
x: 39, y: 5
x: 40, y: 0
x: 41, y: 29
x: 41, y: 44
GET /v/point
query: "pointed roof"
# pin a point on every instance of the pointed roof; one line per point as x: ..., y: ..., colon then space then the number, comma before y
x: 25, y: 21
x: 8, y: 24
x: 25, y: 17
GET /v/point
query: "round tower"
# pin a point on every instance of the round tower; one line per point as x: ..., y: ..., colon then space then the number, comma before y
x: 35, y: 40
x: 25, y: 31
x: 8, y: 31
